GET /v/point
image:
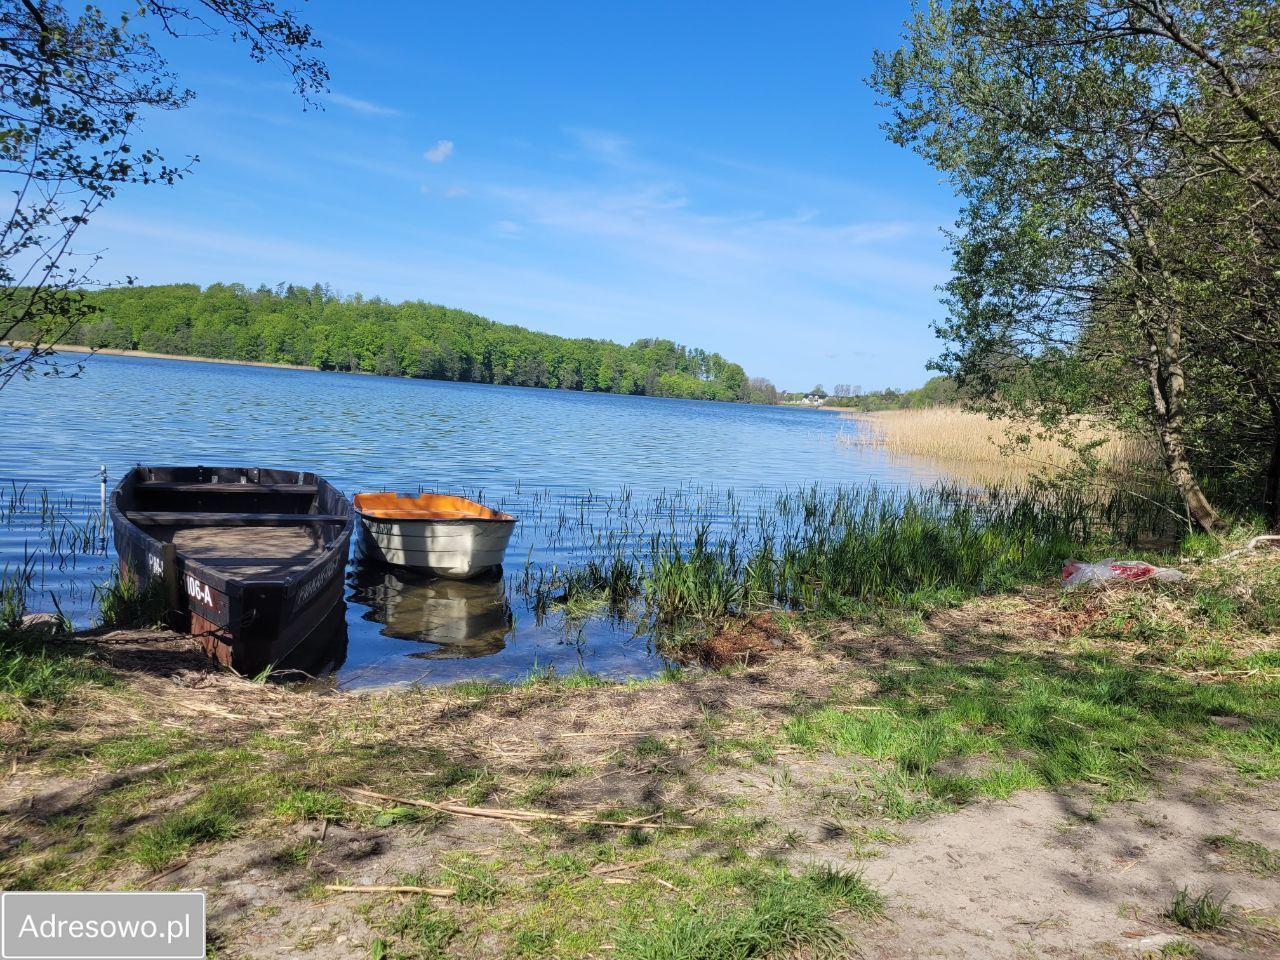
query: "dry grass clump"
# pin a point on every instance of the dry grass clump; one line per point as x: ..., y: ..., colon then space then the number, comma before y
x: 964, y: 437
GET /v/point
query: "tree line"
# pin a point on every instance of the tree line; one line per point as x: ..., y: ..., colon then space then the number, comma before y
x: 316, y: 327
x: 938, y: 391
x: 1117, y: 251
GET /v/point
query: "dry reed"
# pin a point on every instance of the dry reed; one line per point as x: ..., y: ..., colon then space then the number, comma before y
x: 984, y: 446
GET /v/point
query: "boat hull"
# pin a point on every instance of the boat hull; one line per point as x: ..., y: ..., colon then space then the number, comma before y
x: 457, y: 549
x: 250, y: 610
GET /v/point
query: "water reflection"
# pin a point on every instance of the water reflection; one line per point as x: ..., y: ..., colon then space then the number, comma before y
x: 461, y: 618
x: 582, y: 470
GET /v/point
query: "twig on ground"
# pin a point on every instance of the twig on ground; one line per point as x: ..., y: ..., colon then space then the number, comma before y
x: 172, y: 870
x: 526, y: 816
x: 376, y: 888
x: 617, y: 868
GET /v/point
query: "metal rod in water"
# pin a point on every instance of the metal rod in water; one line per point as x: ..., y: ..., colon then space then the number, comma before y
x: 102, y: 499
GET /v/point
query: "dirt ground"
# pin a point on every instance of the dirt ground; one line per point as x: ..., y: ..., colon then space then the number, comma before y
x: 1040, y: 874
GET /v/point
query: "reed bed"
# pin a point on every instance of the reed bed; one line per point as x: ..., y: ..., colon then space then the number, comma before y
x: 657, y: 560
x: 986, y: 446
x: 823, y: 548
x: 51, y: 547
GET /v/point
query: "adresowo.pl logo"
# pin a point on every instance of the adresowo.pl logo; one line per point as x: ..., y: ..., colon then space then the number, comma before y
x: 102, y: 926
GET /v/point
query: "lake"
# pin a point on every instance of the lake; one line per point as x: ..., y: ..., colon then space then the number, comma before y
x: 568, y: 464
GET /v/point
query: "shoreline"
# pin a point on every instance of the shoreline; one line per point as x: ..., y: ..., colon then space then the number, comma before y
x: 148, y: 355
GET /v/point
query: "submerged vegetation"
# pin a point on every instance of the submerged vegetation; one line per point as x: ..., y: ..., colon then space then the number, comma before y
x: 825, y: 549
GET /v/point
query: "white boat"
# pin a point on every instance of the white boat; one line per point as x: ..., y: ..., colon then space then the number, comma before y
x: 434, y: 533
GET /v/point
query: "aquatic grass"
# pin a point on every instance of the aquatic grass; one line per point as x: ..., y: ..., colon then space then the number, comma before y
x: 994, y: 447
x: 821, y: 549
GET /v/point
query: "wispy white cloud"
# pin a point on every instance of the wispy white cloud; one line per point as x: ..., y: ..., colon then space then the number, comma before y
x: 362, y: 106
x: 511, y: 282
x: 455, y: 191
x: 423, y: 188
x: 601, y: 144
x: 658, y: 223
x: 508, y: 228
x: 441, y: 152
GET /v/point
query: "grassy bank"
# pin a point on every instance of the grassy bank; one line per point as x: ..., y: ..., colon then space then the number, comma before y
x: 765, y: 812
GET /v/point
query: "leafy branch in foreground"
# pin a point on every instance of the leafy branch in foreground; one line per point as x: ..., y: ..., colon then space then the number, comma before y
x: 74, y: 90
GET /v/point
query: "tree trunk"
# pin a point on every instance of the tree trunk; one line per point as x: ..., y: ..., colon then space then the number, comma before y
x: 1169, y: 401
x: 1199, y: 509
x: 1271, y: 495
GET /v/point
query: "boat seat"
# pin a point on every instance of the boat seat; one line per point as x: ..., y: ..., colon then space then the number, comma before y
x: 188, y: 487
x: 254, y: 561
x: 213, y: 519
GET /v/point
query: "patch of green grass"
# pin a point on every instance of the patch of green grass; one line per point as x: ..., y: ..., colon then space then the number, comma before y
x: 1208, y: 653
x: 306, y: 803
x: 848, y: 888
x: 134, y: 749
x: 473, y: 880
x: 1247, y: 854
x: 650, y: 746
x: 392, y: 816
x: 34, y: 673
x: 1205, y: 912
x: 777, y: 914
x: 1045, y: 721
x: 1175, y: 950
x: 538, y: 674
x: 214, y: 815
x: 419, y: 931
x: 295, y: 854
x: 158, y: 846
x: 477, y: 689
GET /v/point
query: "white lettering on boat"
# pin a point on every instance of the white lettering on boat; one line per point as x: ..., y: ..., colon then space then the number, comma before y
x: 155, y: 565
x: 199, y: 591
x: 313, y: 586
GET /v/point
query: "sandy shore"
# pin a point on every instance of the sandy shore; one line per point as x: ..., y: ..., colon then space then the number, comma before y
x: 107, y: 351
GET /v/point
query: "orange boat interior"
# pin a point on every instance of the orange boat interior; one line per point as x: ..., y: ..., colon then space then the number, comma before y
x: 425, y: 506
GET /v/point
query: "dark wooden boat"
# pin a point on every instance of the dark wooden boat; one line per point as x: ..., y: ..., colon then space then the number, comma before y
x: 253, y: 560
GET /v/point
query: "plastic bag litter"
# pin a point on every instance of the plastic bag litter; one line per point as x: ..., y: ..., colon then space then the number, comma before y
x: 1077, y: 573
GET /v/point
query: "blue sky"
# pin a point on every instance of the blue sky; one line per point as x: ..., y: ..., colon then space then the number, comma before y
x: 712, y: 173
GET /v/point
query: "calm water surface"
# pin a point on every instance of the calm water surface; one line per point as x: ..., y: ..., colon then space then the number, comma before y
x: 557, y: 459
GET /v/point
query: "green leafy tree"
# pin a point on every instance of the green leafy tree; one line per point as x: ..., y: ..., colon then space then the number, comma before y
x: 1107, y: 154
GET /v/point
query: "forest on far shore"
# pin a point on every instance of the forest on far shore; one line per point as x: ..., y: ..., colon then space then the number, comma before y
x: 316, y: 327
